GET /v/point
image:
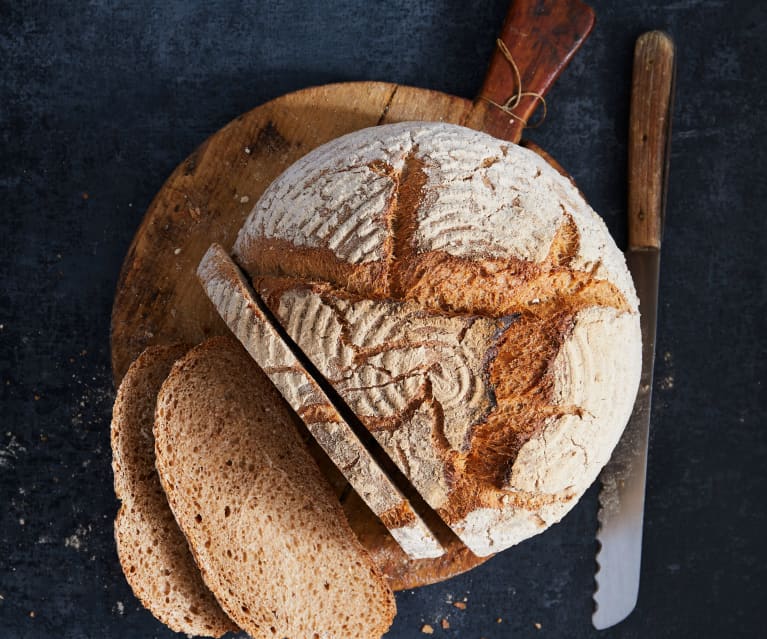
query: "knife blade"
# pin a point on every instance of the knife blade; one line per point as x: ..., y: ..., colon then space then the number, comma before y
x: 621, y: 499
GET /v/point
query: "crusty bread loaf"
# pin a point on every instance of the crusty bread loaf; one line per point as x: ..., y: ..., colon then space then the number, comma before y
x: 267, y: 532
x: 385, y: 252
x: 153, y: 553
x: 233, y: 297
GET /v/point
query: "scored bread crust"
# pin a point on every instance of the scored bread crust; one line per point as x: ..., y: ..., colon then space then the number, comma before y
x: 457, y: 223
x: 152, y: 550
x: 267, y: 532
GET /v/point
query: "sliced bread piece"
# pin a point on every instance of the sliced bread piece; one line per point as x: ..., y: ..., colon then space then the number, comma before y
x: 233, y: 297
x: 268, y: 534
x: 153, y: 553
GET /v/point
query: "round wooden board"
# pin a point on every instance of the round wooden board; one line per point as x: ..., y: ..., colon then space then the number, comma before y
x: 207, y: 198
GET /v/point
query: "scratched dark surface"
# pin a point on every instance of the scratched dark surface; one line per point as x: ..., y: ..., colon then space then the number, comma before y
x: 99, y: 101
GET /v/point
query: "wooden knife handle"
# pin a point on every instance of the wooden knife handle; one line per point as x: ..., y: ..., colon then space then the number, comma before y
x: 542, y: 36
x: 649, y: 137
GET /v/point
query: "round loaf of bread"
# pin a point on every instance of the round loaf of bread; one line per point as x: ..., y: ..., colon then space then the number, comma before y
x: 469, y: 306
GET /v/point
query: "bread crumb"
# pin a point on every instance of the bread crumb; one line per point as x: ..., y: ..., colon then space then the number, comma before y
x: 85, y: 195
x: 247, y: 150
x: 73, y: 541
x: 244, y: 199
x: 177, y: 251
x: 32, y: 614
x: 120, y: 608
x: 667, y: 383
x: 10, y: 451
x: 445, y: 624
x: 22, y: 522
x: 37, y: 397
x: 537, y: 626
x: 460, y: 605
x: 499, y: 620
x: 427, y: 629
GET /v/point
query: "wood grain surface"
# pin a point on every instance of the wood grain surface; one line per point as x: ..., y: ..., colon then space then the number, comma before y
x: 208, y: 196
x: 542, y: 37
x: 649, y: 134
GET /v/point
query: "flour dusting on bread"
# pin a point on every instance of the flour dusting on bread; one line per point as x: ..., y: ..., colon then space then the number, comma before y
x: 432, y: 228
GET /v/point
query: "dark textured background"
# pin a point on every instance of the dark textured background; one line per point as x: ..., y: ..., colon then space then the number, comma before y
x: 100, y: 100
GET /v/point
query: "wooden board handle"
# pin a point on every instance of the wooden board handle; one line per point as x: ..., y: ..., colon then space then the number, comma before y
x: 649, y: 137
x: 542, y: 36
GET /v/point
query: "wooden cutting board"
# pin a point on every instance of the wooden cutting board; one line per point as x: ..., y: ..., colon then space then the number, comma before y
x: 208, y: 196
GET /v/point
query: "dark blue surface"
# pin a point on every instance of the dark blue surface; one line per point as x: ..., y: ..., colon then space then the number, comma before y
x: 98, y: 103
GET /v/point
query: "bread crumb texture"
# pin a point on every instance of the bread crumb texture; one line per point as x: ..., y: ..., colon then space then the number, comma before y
x: 468, y: 304
x: 268, y: 533
x: 153, y: 552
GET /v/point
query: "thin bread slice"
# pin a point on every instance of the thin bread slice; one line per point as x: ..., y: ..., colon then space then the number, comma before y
x: 267, y: 532
x: 153, y: 553
x: 234, y: 299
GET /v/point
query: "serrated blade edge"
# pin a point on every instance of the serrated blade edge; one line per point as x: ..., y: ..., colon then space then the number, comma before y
x: 621, y: 498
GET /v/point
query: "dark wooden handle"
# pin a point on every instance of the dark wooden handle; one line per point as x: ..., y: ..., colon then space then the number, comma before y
x: 542, y: 36
x: 649, y: 136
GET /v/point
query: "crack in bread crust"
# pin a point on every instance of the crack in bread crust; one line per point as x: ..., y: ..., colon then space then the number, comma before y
x: 441, y: 282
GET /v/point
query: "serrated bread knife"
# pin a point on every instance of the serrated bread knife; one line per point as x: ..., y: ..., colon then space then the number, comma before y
x: 622, y: 495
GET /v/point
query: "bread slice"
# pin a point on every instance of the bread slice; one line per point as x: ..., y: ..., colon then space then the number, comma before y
x: 268, y: 534
x: 232, y: 296
x: 153, y: 553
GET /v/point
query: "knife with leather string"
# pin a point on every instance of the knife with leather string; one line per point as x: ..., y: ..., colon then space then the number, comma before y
x: 622, y: 496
